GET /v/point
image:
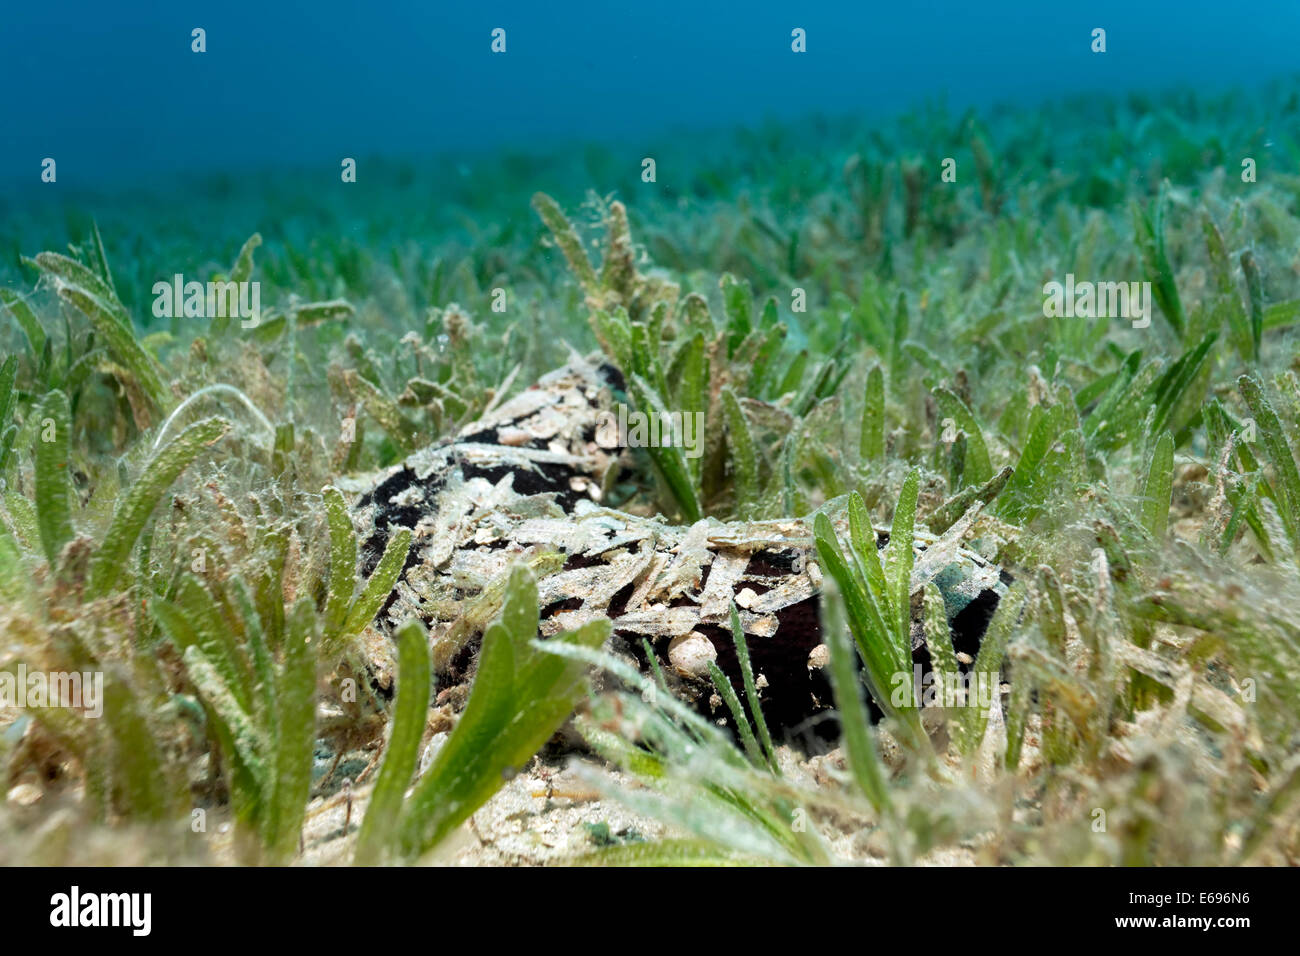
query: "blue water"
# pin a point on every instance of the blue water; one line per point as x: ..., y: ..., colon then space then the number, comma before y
x: 114, y: 93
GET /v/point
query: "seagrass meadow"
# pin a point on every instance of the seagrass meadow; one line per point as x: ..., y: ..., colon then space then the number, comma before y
x: 296, y: 667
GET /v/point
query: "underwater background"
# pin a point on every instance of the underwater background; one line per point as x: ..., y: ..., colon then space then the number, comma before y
x: 115, y: 93
x: 835, y: 255
x: 153, y: 138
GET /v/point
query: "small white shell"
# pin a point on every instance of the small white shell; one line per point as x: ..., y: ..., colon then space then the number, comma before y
x: 691, y: 654
x: 514, y: 437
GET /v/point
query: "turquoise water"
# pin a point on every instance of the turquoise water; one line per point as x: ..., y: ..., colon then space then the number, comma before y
x: 116, y: 95
x: 179, y: 155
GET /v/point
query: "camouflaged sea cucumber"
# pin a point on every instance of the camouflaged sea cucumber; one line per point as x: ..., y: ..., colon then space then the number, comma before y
x: 525, y: 482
